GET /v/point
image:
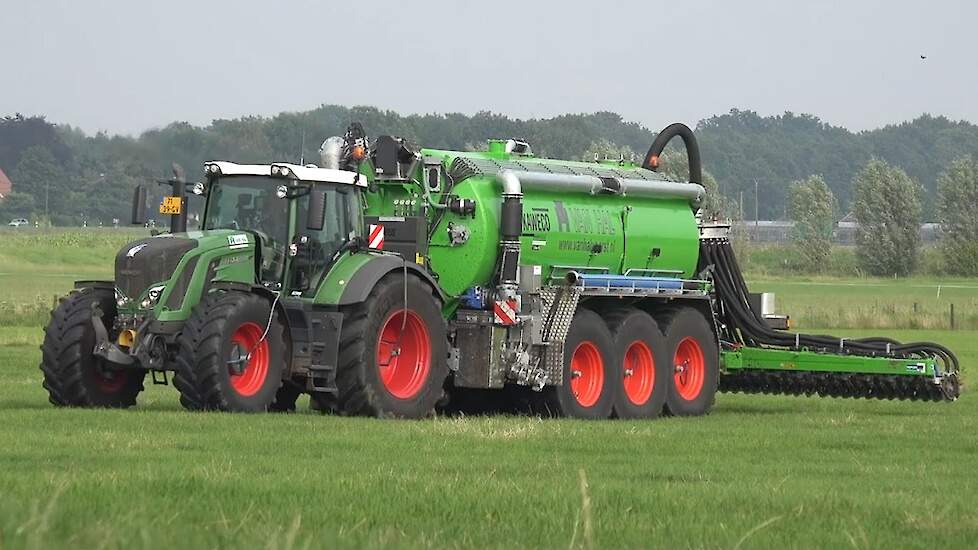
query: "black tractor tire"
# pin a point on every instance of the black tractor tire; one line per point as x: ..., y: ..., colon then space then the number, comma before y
x: 691, y: 349
x: 73, y: 375
x: 591, y: 368
x: 286, y: 397
x: 646, y: 368
x: 392, y: 363
x: 323, y: 403
x: 221, y: 330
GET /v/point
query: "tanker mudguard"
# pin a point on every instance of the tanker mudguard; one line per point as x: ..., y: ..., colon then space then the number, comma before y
x: 365, y: 278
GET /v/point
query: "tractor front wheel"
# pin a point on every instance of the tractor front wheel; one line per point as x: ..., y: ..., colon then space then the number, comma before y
x: 393, y: 352
x: 73, y: 375
x: 227, y: 360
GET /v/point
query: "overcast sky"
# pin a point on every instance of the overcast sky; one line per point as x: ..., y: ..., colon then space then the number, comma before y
x: 125, y: 66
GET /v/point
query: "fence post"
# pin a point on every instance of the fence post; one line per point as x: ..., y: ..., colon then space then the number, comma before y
x: 952, y: 316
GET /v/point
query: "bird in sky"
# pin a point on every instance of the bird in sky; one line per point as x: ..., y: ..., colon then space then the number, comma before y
x: 922, y: 56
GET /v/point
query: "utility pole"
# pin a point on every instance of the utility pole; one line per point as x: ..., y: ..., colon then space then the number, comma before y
x: 756, y: 209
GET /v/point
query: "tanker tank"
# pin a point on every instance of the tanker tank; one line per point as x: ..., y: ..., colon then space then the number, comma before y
x: 612, y: 218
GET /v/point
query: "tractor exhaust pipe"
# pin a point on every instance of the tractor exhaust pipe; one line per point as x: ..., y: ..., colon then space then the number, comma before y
x: 178, y: 222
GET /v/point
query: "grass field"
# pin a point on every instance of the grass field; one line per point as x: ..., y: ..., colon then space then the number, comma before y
x: 917, y: 303
x: 759, y: 472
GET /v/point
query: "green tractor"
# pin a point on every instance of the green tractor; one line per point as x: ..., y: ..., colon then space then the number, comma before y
x: 391, y: 280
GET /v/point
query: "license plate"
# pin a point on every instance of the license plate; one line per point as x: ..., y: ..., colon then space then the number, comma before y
x: 170, y: 205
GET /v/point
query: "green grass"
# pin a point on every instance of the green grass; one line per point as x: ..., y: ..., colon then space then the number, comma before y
x: 759, y: 472
x: 874, y: 303
x: 841, y: 296
x: 769, y: 471
x: 38, y: 265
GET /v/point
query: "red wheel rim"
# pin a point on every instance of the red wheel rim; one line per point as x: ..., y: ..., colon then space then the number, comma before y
x: 111, y: 383
x: 690, y: 368
x: 587, y: 373
x: 404, y: 354
x: 639, y: 367
x: 246, y: 339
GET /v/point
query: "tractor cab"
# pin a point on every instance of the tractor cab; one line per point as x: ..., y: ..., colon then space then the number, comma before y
x: 302, y: 217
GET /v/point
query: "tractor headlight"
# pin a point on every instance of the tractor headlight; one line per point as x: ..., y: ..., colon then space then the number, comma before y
x: 152, y: 297
x: 198, y: 189
x: 282, y: 191
x: 213, y: 169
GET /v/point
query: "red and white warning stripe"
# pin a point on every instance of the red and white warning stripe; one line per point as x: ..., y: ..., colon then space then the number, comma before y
x: 376, y: 240
x: 506, y: 312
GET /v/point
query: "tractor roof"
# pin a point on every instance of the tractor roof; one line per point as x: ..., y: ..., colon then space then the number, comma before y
x: 284, y: 170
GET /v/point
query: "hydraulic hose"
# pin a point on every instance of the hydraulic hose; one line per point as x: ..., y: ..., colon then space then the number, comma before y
x: 651, y: 161
x: 745, y: 326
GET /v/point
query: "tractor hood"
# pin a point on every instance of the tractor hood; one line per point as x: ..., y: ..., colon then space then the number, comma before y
x: 147, y: 261
x: 153, y: 260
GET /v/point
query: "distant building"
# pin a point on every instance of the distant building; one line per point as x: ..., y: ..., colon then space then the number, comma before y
x: 6, y: 186
x: 846, y: 229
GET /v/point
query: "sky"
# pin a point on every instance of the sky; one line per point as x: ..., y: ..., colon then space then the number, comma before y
x: 123, y: 67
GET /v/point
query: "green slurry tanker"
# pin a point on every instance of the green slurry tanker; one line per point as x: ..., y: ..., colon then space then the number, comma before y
x: 394, y: 281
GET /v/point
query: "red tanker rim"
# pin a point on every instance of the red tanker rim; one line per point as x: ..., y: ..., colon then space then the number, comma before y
x: 639, y: 373
x: 690, y: 368
x: 404, y: 354
x: 587, y: 373
x: 248, y: 338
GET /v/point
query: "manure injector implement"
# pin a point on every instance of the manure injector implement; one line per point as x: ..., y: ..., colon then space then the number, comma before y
x: 393, y: 280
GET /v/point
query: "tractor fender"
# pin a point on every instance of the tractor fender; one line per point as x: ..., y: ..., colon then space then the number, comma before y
x: 366, y: 278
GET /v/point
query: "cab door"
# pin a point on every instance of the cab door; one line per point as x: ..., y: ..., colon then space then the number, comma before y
x: 313, y: 251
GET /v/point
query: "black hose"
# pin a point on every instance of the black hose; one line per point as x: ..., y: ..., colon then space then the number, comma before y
x: 651, y: 161
x: 743, y: 325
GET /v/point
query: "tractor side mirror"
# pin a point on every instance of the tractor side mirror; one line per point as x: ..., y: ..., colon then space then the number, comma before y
x: 317, y: 210
x: 139, y: 206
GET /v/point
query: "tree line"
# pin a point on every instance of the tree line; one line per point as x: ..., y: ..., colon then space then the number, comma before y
x: 887, y: 206
x: 66, y: 177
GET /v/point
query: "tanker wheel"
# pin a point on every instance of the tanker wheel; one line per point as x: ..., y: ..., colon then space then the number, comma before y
x: 694, y: 359
x: 590, y: 371
x: 641, y: 348
x: 73, y: 375
x: 223, y: 363
x: 393, y: 355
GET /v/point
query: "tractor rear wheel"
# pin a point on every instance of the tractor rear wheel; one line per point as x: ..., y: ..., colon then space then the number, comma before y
x: 73, y: 375
x: 641, y: 348
x: 692, y: 351
x: 223, y: 362
x: 591, y: 369
x: 393, y: 354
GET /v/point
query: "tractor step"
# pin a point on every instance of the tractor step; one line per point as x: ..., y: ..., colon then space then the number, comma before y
x: 321, y: 379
